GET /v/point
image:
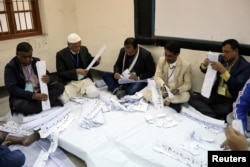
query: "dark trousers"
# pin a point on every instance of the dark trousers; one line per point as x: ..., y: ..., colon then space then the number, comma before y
x: 112, y: 84
x: 26, y: 107
x: 11, y: 158
x: 216, y: 106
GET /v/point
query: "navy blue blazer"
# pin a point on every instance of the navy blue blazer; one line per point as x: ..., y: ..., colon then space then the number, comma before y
x: 239, y: 74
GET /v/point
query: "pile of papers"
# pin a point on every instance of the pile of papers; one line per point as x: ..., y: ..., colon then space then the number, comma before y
x: 92, y: 114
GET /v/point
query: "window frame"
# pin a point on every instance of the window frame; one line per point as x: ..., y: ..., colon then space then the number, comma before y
x: 13, y: 33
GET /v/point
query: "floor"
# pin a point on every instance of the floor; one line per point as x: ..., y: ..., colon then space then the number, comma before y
x: 4, y: 104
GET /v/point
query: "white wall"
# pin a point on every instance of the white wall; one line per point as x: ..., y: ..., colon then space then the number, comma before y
x: 206, y: 20
x: 98, y: 22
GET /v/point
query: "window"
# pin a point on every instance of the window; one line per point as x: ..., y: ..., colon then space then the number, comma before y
x: 19, y: 18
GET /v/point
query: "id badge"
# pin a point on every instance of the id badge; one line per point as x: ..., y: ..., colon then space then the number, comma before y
x: 222, y: 91
x: 29, y: 87
x: 79, y: 76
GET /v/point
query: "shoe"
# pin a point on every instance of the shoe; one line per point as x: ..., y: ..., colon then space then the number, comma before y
x: 120, y: 93
x: 58, y: 102
x: 115, y: 90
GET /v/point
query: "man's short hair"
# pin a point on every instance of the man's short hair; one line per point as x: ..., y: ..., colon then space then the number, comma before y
x: 131, y: 41
x: 173, y: 46
x: 24, y: 47
x: 232, y: 42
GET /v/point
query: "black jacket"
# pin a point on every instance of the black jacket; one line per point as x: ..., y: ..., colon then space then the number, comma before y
x: 15, y: 80
x: 144, y: 66
x: 65, y: 67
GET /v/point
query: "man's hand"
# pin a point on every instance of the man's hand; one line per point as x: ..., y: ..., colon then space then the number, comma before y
x: 175, y: 91
x: 45, y: 79
x: 218, y: 66
x: 82, y: 71
x: 40, y: 96
x: 134, y: 77
x: 117, y: 75
x: 206, y: 62
x: 163, y: 88
x: 234, y: 140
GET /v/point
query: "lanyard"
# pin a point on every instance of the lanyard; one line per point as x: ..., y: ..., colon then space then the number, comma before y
x: 172, y: 72
x: 133, y: 63
x: 76, y: 61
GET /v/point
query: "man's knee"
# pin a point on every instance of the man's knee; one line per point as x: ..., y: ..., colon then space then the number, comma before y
x: 107, y: 75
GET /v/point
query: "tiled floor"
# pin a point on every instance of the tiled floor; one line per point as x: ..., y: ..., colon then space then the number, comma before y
x: 4, y: 104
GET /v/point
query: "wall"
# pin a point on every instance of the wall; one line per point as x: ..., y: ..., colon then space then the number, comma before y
x: 98, y: 22
x: 214, y: 20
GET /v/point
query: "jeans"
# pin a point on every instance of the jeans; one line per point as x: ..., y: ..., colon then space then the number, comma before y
x: 130, y: 88
x: 11, y: 158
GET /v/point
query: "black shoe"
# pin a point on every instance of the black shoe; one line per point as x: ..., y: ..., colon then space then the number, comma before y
x: 177, y: 107
x: 120, y: 93
x: 58, y: 102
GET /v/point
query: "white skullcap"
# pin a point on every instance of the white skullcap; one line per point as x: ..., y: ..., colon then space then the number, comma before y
x: 73, y: 38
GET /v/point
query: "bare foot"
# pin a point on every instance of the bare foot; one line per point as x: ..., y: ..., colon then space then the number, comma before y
x: 6, y: 143
x: 27, y: 140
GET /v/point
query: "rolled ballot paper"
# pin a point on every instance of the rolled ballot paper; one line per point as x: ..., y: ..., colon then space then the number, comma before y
x: 210, y: 75
x: 41, y: 70
x: 100, y: 52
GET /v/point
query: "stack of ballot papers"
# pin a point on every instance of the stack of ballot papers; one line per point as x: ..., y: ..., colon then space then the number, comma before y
x: 92, y: 114
x: 54, y: 119
x: 134, y: 102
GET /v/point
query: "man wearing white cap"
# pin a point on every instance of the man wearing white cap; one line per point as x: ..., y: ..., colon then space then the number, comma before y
x: 71, y: 64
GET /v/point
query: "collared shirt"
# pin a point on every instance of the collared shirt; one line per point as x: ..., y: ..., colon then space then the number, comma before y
x: 31, y: 77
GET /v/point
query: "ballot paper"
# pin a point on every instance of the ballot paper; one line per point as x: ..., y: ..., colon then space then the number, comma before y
x: 170, y: 94
x: 156, y: 95
x: 210, y: 76
x: 58, y: 123
x: 47, y: 156
x: 181, y: 154
x: 214, y: 125
x: 42, y: 118
x: 125, y: 74
x: 124, y: 80
x: 41, y: 70
x: 100, y: 52
x: 15, y: 128
x: 91, y: 115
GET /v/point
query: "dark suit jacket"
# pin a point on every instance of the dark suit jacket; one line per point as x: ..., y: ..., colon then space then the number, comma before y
x: 240, y: 73
x: 15, y: 80
x: 144, y: 66
x: 65, y: 65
